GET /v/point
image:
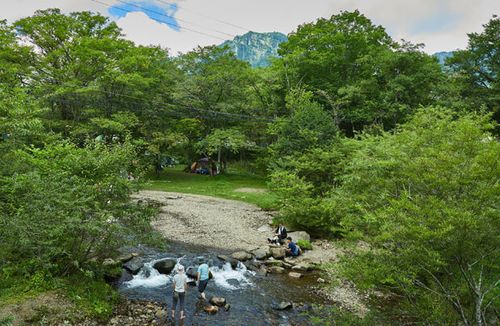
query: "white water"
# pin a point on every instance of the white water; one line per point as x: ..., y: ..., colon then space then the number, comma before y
x: 222, y: 275
x: 149, y: 277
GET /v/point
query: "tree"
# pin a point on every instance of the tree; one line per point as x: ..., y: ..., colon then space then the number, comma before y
x: 222, y: 142
x: 426, y: 199
x: 476, y: 68
x: 358, y: 71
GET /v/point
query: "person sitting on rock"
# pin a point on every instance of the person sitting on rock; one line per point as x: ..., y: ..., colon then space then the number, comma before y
x: 202, y: 277
x: 291, y: 249
x: 279, y: 235
x: 180, y: 288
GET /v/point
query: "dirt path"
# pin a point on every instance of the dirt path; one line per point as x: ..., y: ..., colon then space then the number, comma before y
x: 214, y: 222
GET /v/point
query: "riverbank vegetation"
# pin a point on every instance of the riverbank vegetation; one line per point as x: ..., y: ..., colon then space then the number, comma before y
x: 358, y: 137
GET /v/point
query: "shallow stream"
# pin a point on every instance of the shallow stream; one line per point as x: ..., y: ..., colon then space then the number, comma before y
x: 252, y: 297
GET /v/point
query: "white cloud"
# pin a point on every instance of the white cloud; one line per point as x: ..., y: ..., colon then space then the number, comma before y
x: 400, y: 17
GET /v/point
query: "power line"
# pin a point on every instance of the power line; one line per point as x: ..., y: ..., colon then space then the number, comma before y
x: 179, y: 19
x: 205, y: 16
x: 162, y: 21
x: 197, y: 111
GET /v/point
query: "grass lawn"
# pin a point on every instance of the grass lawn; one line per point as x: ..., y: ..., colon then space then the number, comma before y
x: 224, y: 186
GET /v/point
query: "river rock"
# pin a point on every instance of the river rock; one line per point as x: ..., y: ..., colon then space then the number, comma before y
x: 227, y: 306
x: 211, y: 309
x: 165, y: 266
x: 134, y: 265
x: 283, y: 305
x: 262, y: 271
x: 294, y: 275
x: 232, y: 261
x: 276, y: 270
x: 320, y: 280
x: 299, y: 235
x: 261, y: 253
x: 273, y: 262
x: 109, y: 262
x: 126, y: 257
x: 218, y: 301
x: 192, y: 272
x: 241, y: 255
x: 299, y: 268
x: 278, y: 253
x: 290, y: 261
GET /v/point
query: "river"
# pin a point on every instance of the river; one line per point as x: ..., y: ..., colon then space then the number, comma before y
x: 252, y: 297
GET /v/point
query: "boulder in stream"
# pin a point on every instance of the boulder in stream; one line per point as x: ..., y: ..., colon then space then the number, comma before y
x: 276, y: 270
x: 218, y: 301
x: 294, y: 275
x: 273, y: 262
x: 283, y: 305
x: 211, y: 309
x: 241, y: 255
x: 232, y: 261
x: 165, y: 266
x: 192, y: 272
x: 278, y: 253
x: 134, y: 265
x: 262, y: 271
x: 261, y: 253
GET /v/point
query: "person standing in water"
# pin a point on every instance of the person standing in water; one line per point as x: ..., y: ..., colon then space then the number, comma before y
x: 202, y: 278
x: 180, y: 288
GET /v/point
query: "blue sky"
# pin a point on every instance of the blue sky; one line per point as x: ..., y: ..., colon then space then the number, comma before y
x: 181, y: 25
x: 161, y: 12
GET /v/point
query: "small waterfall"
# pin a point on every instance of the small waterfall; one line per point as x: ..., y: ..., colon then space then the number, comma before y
x: 149, y: 277
x: 224, y: 277
x: 226, y: 273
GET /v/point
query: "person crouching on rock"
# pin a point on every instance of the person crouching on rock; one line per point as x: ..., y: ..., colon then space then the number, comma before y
x: 291, y: 249
x: 202, y: 277
x: 180, y: 288
x: 279, y: 235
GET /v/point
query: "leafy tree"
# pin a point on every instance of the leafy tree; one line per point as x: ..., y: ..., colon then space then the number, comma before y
x: 476, y: 68
x: 355, y: 68
x: 222, y: 142
x: 426, y: 199
x: 308, y: 126
x: 66, y: 207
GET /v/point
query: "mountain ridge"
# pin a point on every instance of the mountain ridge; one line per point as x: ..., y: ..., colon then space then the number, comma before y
x: 256, y: 48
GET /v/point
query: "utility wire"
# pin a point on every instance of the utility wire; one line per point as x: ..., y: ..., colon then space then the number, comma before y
x: 162, y: 21
x: 197, y: 111
x: 164, y: 15
x: 205, y: 16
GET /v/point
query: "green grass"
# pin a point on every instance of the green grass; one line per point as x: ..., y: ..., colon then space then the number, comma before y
x: 223, y: 186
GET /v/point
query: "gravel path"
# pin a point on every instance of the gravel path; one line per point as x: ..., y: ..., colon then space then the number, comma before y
x: 213, y: 222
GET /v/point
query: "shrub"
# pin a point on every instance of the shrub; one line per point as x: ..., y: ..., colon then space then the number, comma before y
x: 304, y: 244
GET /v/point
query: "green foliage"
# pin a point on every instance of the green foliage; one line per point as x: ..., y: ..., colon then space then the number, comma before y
x: 355, y: 68
x: 308, y: 126
x: 304, y: 244
x: 79, y: 196
x: 426, y: 198
x: 476, y: 69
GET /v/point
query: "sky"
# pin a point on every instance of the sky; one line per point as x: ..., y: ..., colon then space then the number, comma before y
x: 181, y: 25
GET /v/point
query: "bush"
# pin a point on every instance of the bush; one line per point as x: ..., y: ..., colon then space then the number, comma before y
x: 66, y: 207
x: 304, y: 244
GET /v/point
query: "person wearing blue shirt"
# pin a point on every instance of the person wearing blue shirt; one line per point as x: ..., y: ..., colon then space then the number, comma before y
x: 292, y: 249
x: 202, y: 278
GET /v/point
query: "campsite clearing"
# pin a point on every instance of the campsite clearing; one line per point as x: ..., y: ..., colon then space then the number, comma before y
x: 228, y: 186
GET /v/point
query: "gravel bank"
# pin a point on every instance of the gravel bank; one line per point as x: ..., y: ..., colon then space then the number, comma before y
x: 208, y: 221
